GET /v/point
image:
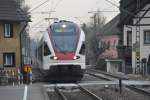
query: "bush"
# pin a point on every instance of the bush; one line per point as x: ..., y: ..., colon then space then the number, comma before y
x: 101, y: 64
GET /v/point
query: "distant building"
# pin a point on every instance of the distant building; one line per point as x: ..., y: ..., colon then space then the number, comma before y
x: 13, y: 21
x: 109, y: 39
x: 135, y: 26
x: 108, y: 42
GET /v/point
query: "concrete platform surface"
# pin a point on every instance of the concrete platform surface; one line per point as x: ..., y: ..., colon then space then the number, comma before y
x: 23, y: 92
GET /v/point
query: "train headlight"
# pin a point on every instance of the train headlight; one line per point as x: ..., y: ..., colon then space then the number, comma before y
x: 64, y: 26
x: 55, y: 58
x: 75, y: 57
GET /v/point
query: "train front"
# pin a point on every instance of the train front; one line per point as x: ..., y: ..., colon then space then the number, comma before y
x: 66, y: 61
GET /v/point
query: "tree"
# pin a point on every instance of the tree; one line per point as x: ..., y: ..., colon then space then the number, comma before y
x: 92, y: 29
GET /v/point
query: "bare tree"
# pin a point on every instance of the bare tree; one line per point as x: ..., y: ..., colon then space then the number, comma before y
x: 92, y: 29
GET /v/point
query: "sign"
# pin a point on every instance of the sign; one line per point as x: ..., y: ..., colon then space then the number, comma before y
x: 137, y: 54
x: 136, y: 46
x: 27, y: 60
x: 27, y: 68
x: 23, y: 51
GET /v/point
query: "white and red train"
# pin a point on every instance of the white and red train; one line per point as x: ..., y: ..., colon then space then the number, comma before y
x: 61, y: 52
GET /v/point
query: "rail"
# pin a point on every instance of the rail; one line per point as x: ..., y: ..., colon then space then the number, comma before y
x: 95, y: 97
x: 141, y: 91
x: 82, y: 89
x: 98, y: 76
x: 63, y: 97
x: 109, y: 74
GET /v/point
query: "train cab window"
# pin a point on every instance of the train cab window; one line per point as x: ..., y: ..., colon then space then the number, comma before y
x: 82, y: 50
x: 46, y: 50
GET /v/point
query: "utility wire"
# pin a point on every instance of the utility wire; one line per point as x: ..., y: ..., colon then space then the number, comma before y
x: 130, y: 13
x: 57, y: 4
x: 102, y: 11
x: 51, y: 4
x: 42, y: 12
x: 38, y: 6
x: 37, y: 23
x: 112, y: 3
x: 53, y: 9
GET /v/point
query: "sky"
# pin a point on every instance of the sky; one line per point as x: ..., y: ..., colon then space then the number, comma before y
x: 73, y: 10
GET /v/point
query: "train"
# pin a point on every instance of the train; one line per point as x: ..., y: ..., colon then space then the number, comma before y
x: 61, y: 52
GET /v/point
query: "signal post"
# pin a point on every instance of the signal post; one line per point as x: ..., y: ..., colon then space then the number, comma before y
x: 27, y: 73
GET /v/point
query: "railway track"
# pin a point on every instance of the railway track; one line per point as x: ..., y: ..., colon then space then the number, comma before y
x: 139, y: 90
x: 131, y: 87
x: 100, y: 76
x: 108, y: 75
x: 85, y: 93
x: 61, y: 91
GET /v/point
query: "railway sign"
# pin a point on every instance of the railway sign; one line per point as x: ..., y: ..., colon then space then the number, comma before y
x: 135, y: 47
x: 27, y: 68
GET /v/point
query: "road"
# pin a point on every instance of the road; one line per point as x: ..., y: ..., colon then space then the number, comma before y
x: 38, y: 91
x: 23, y: 92
x: 30, y: 92
x: 11, y: 93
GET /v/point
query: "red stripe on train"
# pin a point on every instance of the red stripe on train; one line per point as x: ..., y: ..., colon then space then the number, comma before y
x: 65, y: 56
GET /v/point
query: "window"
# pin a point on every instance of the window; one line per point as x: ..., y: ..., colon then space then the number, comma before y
x: 108, y: 45
x: 46, y: 50
x: 129, y: 38
x: 82, y: 50
x: 114, y: 44
x: 8, y: 30
x: 147, y: 37
x: 9, y: 59
x: 40, y: 53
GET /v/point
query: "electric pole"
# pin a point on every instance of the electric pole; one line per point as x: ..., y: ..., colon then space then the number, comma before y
x: 137, y: 55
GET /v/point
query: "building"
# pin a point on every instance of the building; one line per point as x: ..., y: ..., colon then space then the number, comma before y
x: 108, y: 42
x: 13, y: 21
x: 135, y: 25
x: 109, y: 39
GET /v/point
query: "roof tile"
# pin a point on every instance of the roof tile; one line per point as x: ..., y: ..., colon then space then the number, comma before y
x: 11, y: 11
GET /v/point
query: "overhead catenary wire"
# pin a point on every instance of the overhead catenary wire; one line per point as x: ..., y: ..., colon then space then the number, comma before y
x: 39, y: 6
x: 102, y: 11
x: 37, y: 23
x: 41, y: 12
x: 130, y: 13
x: 57, y: 4
x: 53, y: 9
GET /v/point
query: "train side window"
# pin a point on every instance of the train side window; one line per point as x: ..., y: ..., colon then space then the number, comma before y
x: 46, y: 50
x: 82, y: 50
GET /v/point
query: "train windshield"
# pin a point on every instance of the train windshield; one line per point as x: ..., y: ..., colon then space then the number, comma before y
x: 64, y: 38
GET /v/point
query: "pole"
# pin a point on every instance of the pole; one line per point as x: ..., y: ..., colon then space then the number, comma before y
x: 95, y: 29
x: 137, y: 56
x: 120, y: 86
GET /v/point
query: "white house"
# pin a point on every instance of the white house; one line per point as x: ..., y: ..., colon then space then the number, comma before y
x: 130, y: 37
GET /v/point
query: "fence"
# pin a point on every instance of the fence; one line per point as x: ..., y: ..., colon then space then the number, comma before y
x: 10, y: 76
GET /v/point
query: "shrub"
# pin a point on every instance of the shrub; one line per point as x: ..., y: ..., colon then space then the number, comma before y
x: 101, y: 64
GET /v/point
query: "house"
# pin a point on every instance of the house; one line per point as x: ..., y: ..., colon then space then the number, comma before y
x: 135, y: 26
x: 13, y: 21
x: 109, y: 39
x: 108, y: 42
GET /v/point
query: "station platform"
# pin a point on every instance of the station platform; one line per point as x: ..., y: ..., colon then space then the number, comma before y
x: 23, y: 92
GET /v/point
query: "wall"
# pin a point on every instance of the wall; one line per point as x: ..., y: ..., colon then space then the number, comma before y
x: 144, y: 48
x: 109, y: 46
x: 10, y: 44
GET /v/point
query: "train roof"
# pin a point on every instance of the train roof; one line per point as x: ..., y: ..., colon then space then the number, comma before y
x: 64, y: 21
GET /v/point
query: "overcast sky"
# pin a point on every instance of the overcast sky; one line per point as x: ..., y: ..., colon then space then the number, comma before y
x: 73, y: 10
